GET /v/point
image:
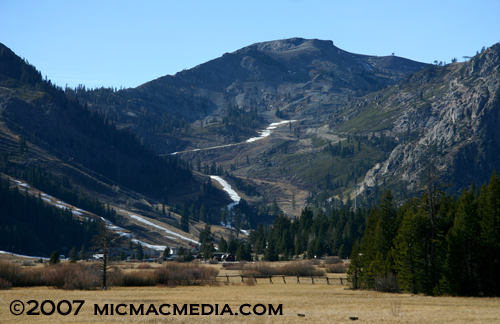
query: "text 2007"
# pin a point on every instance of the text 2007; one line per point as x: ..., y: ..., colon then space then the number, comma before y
x: 48, y: 307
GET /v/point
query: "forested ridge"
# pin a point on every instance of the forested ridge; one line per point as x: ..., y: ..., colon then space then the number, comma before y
x: 28, y: 225
x: 433, y: 244
x: 43, y: 115
x: 45, y: 181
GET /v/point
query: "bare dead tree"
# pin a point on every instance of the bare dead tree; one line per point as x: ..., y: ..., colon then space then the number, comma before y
x: 102, y: 242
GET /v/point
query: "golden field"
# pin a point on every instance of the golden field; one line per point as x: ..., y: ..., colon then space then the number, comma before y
x: 320, y: 303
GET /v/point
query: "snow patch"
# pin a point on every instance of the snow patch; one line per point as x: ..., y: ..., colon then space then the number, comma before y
x: 227, y: 188
x: 142, y: 220
x: 111, y: 226
x: 266, y: 132
x: 263, y: 134
x: 150, y: 246
x: 22, y: 184
x: 22, y: 255
x: 234, y: 197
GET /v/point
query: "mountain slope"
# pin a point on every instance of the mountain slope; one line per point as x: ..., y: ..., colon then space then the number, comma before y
x: 441, y: 116
x: 61, y: 147
x: 305, y: 79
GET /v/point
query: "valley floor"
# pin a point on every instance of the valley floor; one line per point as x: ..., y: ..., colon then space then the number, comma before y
x: 318, y: 303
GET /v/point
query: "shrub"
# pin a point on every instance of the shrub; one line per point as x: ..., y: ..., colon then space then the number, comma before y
x: 261, y: 269
x: 31, y: 278
x: 249, y: 281
x: 20, y: 277
x: 336, y: 268
x: 304, y: 268
x: 85, y: 279
x: 143, y: 266
x: 138, y: 279
x: 174, y: 274
x: 73, y: 276
x: 5, y: 284
x: 251, y: 274
x: 314, y: 261
x: 80, y: 276
x: 10, y: 272
x: 387, y: 283
x: 332, y: 260
x: 234, y: 266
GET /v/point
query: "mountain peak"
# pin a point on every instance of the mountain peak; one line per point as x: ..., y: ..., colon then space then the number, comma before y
x: 293, y: 44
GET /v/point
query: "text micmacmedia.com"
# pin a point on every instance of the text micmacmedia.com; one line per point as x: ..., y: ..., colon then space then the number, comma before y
x: 187, y: 309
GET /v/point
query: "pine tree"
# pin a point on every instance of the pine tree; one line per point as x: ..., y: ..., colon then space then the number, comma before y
x: 222, y: 245
x: 464, y: 248
x: 489, y: 211
x: 355, y: 267
x: 166, y: 252
x: 232, y: 246
x: 73, y: 255
x: 54, y: 258
x: 270, y: 254
x: 140, y: 253
x: 184, y: 219
x: 207, y: 242
x: 411, y: 250
x: 83, y: 252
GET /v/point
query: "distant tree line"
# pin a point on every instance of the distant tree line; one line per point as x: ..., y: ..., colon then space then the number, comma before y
x: 312, y: 235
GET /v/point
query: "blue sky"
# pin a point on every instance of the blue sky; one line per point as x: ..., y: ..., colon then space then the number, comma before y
x: 127, y: 43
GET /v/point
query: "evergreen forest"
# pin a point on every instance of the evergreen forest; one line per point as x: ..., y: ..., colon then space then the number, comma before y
x: 28, y: 224
x: 432, y: 244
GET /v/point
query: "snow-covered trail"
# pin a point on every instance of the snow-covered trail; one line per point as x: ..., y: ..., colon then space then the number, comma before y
x: 169, y: 232
x: 234, y: 197
x: 263, y: 134
x: 227, y: 188
x: 119, y: 230
x: 25, y: 256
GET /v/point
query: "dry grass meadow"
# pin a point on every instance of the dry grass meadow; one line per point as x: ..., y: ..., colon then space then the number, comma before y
x: 319, y: 303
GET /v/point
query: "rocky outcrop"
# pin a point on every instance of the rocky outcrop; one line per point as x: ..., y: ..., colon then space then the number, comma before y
x: 460, y: 136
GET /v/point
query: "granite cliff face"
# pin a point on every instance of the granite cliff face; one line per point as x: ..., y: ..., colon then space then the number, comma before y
x: 450, y: 117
